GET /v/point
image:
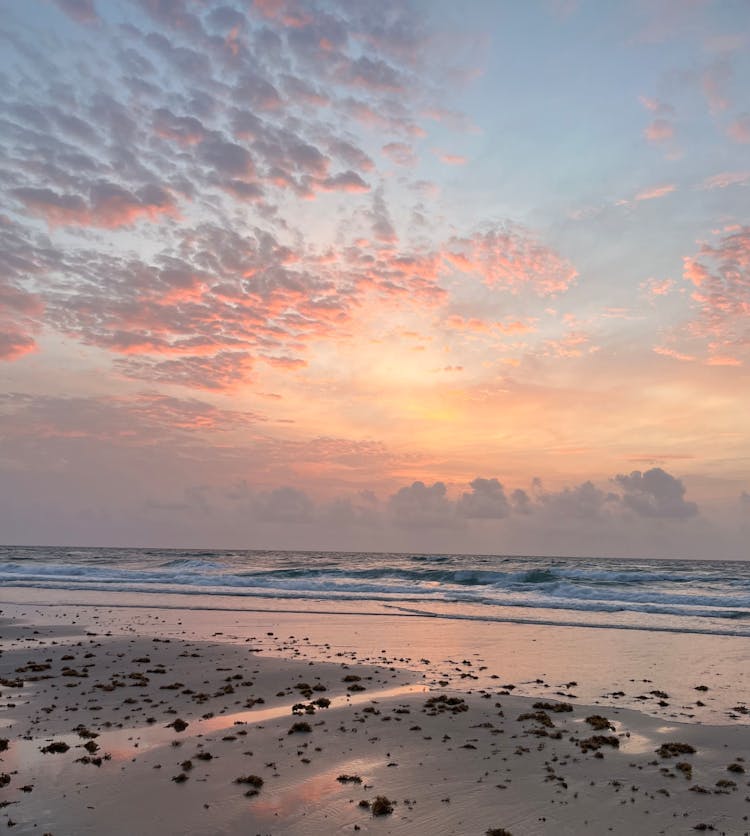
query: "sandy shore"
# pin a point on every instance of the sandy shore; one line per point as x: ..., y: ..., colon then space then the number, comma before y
x: 116, y: 727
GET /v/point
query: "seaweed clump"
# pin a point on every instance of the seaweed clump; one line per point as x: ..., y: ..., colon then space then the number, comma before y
x: 598, y: 722
x: 442, y: 703
x: 381, y: 806
x: 57, y: 747
x: 592, y: 744
x: 252, y: 780
x: 670, y: 750
x: 540, y: 717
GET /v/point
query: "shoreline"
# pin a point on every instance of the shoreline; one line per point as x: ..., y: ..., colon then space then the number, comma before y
x: 388, y: 609
x: 536, y: 657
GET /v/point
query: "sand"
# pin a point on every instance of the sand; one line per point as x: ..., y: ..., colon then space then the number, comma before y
x: 164, y: 727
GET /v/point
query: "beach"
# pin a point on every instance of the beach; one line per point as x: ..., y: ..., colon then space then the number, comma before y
x: 124, y: 718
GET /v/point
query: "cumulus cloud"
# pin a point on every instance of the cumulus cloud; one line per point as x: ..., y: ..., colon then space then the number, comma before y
x: 486, y: 500
x: 655, y: 493
x: 285, y: 505
x: 584, y: 501
x: 422, y: 506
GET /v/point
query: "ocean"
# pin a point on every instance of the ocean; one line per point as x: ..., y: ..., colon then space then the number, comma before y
x: 679, y: 596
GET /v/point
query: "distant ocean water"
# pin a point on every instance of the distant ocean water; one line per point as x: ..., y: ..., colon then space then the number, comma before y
x: 711, y: 597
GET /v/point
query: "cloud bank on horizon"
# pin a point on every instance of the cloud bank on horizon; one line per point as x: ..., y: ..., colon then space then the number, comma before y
x: 336, y: 274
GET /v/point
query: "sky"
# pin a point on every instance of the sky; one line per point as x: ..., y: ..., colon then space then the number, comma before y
x: 398, y: 276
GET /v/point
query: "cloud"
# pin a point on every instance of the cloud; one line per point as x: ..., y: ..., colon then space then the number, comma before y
x: 382, y: 225
x: 655, y: 192
x: 20, y: 310
x: 374, y: 74
x: 739, y: 129
x: 659, y: 131
x: 486, y: 500
x: 223, y: 370
x: 143, y: 419
x: 656, y: 106
x: 81, y: 11
x: 400, y: 153
x: 657, y: 287
x: 347, y: 181
x: 655, y: 493
x: 510, y: 257
x: 109, y: 206
x: 584, y: 501
x: 186, y: 130
x: 449, y: 159
x: 667, y: 351
x: 15, y: 344
x: 726, y: 179
x: 720, y: 273
x: 714, y: 81
x: 422, y: 506
x: 285, y: 505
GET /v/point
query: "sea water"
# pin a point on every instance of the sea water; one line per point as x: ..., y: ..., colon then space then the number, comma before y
x: 682, y: 596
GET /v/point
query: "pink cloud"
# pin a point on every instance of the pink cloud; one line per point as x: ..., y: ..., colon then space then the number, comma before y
x: 694, y: 272
x: 400, y: 153
x: 287, y: 13
x: 656, y: 287
x: 720, y: 274
x: 223, y: 371
x: 109, y: 206
x: 660, y: 130
x: 516, y: 326
x: 286, y: 362
x: 665, y: 351
x: 726, y: 179
x: 347, y: 181
x: 14, y: 344
x: 460, y: 323
x: 449, y: 159
x: 655, y: 192
x: 575, y: 343
x: 739, y: 130
x: 371, y: 118
x: 657, y: 106
x: 723, y: 360
x: 511, y: 258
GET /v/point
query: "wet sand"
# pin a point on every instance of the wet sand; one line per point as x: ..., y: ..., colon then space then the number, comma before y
x: 138, y: 722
